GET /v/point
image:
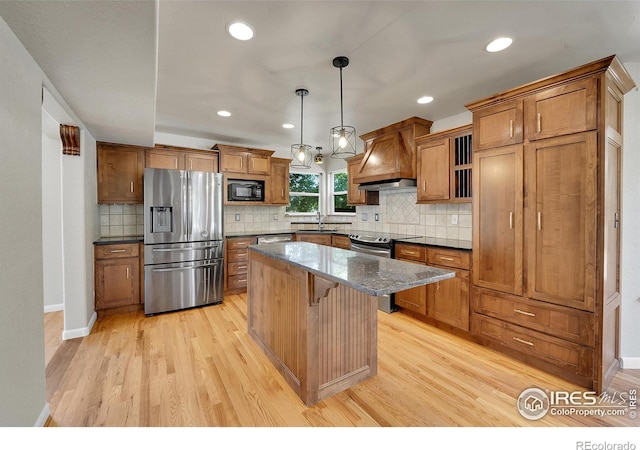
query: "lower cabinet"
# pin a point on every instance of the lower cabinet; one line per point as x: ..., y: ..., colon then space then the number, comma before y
x: 117, y: 277
x: 316, y: 238
x: 236, y: 263
x: 444, y: 301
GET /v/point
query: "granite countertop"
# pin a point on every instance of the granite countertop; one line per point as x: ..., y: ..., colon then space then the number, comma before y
x: 118, y: 240
x: 372, y: 275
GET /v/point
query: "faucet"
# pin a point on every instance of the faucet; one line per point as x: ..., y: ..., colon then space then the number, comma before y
x: 320, y: 224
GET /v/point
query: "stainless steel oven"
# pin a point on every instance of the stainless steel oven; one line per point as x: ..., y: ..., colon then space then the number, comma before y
x: 377, y: 246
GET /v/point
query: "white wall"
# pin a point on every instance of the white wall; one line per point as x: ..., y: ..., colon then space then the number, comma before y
x: 52, y: 262
x: 22, y: 371
x: 630, y: 342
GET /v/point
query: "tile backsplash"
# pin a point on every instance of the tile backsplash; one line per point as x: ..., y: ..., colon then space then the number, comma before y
x: 397, y: 213
x: 121, y: 220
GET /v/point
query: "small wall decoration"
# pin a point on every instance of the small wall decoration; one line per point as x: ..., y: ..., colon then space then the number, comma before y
x: 70, y: 137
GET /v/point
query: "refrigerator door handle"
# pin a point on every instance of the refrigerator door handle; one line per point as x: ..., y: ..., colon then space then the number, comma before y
x: 180, y: 249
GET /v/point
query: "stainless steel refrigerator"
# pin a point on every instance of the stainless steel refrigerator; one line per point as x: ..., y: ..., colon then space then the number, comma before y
x: 183, y: 239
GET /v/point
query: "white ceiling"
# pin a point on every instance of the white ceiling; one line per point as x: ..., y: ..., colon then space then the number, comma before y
x: 132, y: 68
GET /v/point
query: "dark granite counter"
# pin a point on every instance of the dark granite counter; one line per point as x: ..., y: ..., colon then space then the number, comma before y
x: 372, y: 275
x: 118, y: 240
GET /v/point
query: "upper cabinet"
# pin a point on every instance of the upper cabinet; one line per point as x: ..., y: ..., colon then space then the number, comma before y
x: 120, y: 170
x: 566, y: 109
x: 354, y: 195
x: 279, y: 181
x: 444, y: 166
x: 390, y: 152
x: 242, y: 160
x: 170, y: 157
x: 498, y: 126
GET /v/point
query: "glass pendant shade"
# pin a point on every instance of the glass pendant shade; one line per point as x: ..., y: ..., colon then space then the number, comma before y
x: 301, y: 155
x: 343, y: 137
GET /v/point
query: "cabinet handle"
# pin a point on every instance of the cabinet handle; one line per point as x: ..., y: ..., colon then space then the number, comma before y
x: 511, y: 220
x: 127, y: 272
x: 175, y: 163
x: 241, y: 161
x: 131, y: 186
x: 407, y: 252
x: 282, y: 192
x: 522, y: 341
x: 511, y: 128
x: 539, y: 122
x: 241, y: 267
x: 191, y: 164
x: 424, y: 185
x: 446, y: 258
x: 117, y: 251
x: 539, y: 221
x: 438, y: 286
x: 526, y: 313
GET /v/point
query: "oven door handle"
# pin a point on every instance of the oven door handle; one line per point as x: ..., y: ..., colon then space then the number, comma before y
x: 385, y: 253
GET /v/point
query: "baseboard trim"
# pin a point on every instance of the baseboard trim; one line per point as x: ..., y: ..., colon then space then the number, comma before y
x: 80, y: 332
x: 54, y: 308
x: 44, y: 415
x: 630, y: 363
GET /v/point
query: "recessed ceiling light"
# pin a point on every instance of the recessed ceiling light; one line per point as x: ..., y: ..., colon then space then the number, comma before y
x: 425, y: 99
x: 288, y: 125
x: 499, y: 44
x: 224, y: 113
x: 240, y: 30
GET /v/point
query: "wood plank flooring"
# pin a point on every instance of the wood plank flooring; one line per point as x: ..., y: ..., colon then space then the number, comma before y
x: 200, y: 368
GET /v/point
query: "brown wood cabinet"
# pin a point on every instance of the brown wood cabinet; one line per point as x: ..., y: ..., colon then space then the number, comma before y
x: 546, y: 237
x: 242, y: 160
x: 170, y: 157
x: 316, y: 238
x: 279, y: 181
x: 444, y: 162
x: 390, y: 152
x: 120, y: 170
x: 354, y: 195
x: 341, y: 241
x: 236, y: 263
x: 117, y: 276
x: 444, y: 301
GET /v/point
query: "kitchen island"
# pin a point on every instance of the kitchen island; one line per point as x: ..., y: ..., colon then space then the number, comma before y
x: 313, y: 310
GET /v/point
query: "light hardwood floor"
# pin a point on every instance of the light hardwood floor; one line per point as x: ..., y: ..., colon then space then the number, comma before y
x: 200, y: 368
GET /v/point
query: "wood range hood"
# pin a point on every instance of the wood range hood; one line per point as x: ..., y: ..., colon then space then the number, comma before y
x: 389, y: 157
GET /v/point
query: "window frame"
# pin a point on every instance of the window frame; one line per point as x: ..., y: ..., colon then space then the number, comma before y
x: 331, y: 193
x: 320, y: 194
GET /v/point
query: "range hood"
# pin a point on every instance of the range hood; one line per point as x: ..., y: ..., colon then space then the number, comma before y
x: 387, y: 185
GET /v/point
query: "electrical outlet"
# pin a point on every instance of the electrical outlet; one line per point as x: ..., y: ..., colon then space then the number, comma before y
x: 454, y: 219
x: 364, y: 217
x: 275, y: 217
x: 237, y: 217
x: 377, y: 217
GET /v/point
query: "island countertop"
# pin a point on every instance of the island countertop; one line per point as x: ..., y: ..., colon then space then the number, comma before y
x: 372, y: 275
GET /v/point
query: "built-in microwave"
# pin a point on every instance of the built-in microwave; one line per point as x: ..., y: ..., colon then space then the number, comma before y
x: 245, y: 190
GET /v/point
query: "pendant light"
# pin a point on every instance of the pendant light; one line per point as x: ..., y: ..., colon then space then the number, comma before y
x: 301, y: 153
x: 319, y: 158
x: 343, y: 138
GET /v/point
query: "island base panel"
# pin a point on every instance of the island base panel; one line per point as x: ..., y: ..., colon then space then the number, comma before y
x: 320, y: 335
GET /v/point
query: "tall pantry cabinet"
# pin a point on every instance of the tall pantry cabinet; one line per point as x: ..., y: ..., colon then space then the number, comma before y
x: 546, y: 232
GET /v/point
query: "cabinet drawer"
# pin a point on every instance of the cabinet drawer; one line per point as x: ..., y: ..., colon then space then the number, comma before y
x: 564, y: 354
x: 450, y: 258
x: 411, y: 252
x: 236, y: 268
x: 237, y: 281
x: 571, y: 324
x: 116, y: 251
x: 244, y: 242
x: 240, y: 255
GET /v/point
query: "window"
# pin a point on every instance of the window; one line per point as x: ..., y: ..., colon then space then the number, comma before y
x: 338, y: 193
x: 304, y: 193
